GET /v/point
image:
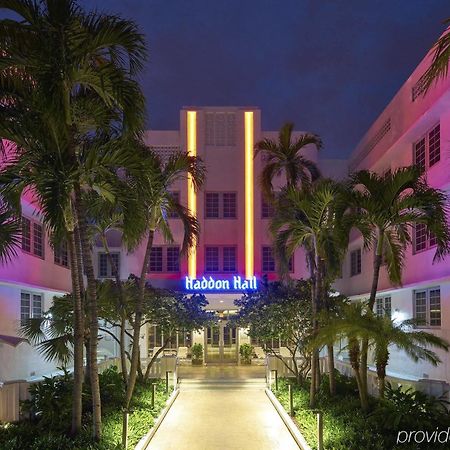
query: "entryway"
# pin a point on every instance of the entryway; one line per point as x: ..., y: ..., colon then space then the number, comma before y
x: 221, y: 343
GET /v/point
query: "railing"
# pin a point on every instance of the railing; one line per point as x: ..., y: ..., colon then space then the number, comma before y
x: 16, y: 391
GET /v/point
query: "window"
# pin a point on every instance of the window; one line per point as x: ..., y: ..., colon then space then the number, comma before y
x: 61, y: 256
x: 156, y: 260
x: 268, y: 261
x: 229, y: 259
x: 220, y: 205
x: 33, y: 240
x: 176, y: 198
x: 423, y: 240
x: 427, y: 150
x: 30, y: 306
x: 355, y: 262
x: 212, y: 259
x: 173, y: 259
x: 229, y: 205
x: 220, y: 129
x: 104, y: 265
x: 267, y: 210
x: 165, y: 259
x: 383, y: 306
x: 211, y: 205
x: 220, y: 259
x: 427, y: 306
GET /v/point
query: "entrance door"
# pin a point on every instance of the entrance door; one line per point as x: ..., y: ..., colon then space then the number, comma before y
x: 221, y: 343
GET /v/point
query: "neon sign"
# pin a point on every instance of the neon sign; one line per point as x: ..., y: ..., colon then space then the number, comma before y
x: 237, y: 283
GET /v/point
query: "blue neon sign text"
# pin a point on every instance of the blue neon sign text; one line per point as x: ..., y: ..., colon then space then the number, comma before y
x: 237, y: 283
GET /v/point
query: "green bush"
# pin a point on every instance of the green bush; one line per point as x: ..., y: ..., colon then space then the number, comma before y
x: 33, y: 436
x: 246, y: 352
x: 197, y: 353
x: 51, y: 402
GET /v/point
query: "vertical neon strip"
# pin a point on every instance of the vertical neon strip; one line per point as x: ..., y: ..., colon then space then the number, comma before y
x: 249, y: 196
x: 192, y: 196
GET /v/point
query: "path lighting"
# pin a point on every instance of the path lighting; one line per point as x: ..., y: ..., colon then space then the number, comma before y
x: 291, y: 401
x: 167, y: 380
x: 319, y: 418
x: 153, y: 394
x: 276, y: 378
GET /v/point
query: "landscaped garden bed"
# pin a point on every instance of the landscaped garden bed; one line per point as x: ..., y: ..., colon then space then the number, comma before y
x: 346, y: 427
x: 48, y: 431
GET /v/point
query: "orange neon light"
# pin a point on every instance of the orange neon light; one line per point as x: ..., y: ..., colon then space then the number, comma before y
x: 249, y: 197
x: 192, y: 196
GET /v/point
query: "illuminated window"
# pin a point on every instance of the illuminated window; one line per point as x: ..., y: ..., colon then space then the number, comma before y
x: 355, y: 262
x: 61, y: 256
x: 30, y: 306
x: 220, y: 129
x: 220, y: 205
x: 268, y: 261
x: 427, y: 150
x: 383, y: 306
x: 33, y: 240
x: 427, y: 306
x: 176, y: 197
x: 104, y: 265
x: 423, y: 240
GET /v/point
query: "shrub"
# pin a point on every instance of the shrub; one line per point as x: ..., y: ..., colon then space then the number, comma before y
x: 197, y: 353
x: 246, y: 352
x: 51, y: 402
x: 112, y: 387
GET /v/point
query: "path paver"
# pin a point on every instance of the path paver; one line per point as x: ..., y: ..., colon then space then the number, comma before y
x: 222, y: 408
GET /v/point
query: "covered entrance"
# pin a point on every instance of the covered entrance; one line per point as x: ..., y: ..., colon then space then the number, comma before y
x: 221, y: 343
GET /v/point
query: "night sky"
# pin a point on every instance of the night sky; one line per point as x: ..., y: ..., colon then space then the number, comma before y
x: 330, y: 66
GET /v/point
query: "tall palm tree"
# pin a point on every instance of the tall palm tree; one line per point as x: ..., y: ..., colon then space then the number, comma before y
x: 157, y: 202
x: 386, y: 208
x: 308, y: 219
x: 284, y: 156
x: 96, y: 57
x: 357, y: 322
x: 441, y: 59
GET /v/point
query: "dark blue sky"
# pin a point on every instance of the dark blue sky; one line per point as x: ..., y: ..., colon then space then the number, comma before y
x: 330, y: 66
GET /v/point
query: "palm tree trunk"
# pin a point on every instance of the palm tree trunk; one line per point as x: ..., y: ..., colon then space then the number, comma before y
x: 93, y: 318
x: 137, y: 321
x: 331, y: 373
x: 78, y: 331
x: 120, y: 307
x: 382, y: 358
x: 314, y: 355
x: 373, y: 294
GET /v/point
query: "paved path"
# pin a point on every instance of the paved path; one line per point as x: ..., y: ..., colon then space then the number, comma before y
x: 222, y: 408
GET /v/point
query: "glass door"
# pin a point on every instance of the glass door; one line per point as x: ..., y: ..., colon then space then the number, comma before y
x: 221, y: 343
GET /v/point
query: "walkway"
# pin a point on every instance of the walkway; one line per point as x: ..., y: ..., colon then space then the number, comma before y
x: 222, y: 408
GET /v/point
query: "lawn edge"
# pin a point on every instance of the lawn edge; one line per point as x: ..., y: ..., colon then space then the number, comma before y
x: 291, y: 426
x: 145, y: 440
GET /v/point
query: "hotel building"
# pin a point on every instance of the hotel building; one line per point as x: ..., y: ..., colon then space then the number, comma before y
x: 235, y: 245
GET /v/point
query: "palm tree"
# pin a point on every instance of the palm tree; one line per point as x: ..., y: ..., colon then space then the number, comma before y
x: 385, y: 208
x: 96, y: 57
x: 357, y: 322
x: 157, y: 202
x: 441, y: 58
x: 9, y: 231
x: 308, y: 219
x: 285, y: 156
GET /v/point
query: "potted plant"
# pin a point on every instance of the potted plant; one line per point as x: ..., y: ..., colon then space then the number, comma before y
x: 197, y: 354
x: 246, y: 352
